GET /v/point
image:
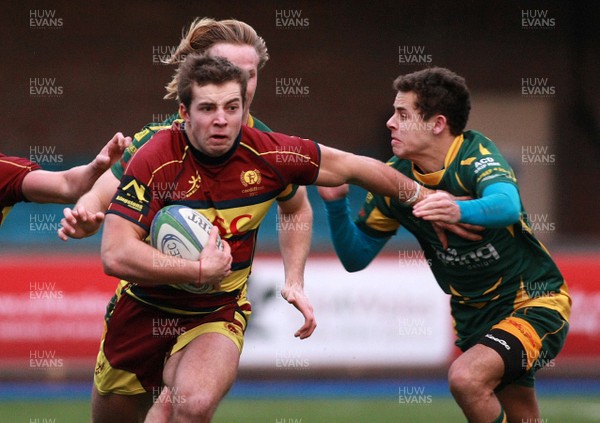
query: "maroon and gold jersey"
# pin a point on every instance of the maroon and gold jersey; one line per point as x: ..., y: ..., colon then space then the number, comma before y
x: 234, y: 191
x: 12, y: 172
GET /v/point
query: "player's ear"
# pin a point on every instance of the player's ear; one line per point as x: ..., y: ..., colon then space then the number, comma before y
x: 183, y: 112
x: 439, y: 124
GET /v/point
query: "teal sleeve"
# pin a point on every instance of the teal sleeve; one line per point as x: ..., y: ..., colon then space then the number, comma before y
x: 500, y: 206
x: 354, y: 248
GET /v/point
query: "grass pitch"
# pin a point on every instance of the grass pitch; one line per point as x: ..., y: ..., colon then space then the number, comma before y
x: 572, y: 409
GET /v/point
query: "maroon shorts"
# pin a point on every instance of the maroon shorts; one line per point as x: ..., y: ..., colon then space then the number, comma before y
x: 138, y: 339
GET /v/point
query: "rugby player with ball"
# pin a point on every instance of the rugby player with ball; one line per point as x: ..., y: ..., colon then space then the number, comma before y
x: 232, y: 174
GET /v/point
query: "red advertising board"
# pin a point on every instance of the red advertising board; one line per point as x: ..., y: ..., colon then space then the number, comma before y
x: 52, y: 308
x: 582, y: 273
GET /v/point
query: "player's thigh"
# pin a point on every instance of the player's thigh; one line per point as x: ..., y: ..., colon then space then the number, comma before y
x: 479, y: 366
x: 528, y: 339
x: 203, y: 371
x: 195, y: 343
x: 519, y: 403
x: 128, y: 408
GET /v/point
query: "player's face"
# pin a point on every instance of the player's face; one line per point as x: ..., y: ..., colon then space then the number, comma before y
x: 214, y: 118
x: 411, y: 135
x: 244, y: 57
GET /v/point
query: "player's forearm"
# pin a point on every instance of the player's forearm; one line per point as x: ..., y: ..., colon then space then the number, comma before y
x: 137, y: 262
x: 500, y: 206
x: 339, y: 167
x: 354, y: 248
x: 98, y: 197
x: 295, y: 234
x: 379, y: 178
x: 80, y: 179
x: 42, y: 186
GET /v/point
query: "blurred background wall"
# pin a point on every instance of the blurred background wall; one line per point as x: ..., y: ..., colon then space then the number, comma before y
x: 532, y: 67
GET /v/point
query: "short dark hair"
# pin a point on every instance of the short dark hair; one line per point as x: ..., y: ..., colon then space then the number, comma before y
x: 204, y: 70
x: 439, y: 91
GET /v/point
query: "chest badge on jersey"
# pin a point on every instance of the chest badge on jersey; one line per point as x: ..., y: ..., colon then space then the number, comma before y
x: 251, y: 180
x: 250, y: 177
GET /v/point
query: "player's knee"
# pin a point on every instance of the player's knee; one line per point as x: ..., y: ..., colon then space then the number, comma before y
x: 162, y: 406
x: 194, y: 407
x: 462, y: 380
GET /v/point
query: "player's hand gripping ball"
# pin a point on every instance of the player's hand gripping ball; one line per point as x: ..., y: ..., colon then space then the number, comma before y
x: 182, y: 232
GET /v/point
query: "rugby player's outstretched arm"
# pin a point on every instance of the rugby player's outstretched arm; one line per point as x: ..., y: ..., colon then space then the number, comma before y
x: 67, y: 186
x: 339, y: 167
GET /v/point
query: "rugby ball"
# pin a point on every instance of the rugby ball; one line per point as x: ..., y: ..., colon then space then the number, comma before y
x: 182, y: 232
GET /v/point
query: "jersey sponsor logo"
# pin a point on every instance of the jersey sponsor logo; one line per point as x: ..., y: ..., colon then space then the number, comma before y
x: 137, y: 188
x: 480, y: 257
x: 485, y: 162
x: 495, y: 173
x: 498, y: 340
x: 234, y: 227
x: 133, y: 195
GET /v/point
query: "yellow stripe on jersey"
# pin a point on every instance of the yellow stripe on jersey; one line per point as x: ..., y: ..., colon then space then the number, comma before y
x: 466, y: 300
x: 428, y: 178
x: 378, y: 221
x: 292, y: 153
x: 238, y: 219
x: 484, y: 150
x: 435, y: 178
x: 453, y: 151
x: 4, y: 212
x: 493, y: 288
x: 528, y: 230
x: 287, y: 191
x: 236, y: 280
x: 511, y: 230
x: 15, y: 164
x: 178, y: 161
x: 138, y: 136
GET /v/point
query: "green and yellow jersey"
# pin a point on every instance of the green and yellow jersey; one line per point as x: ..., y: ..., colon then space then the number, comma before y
x: 508, y: 269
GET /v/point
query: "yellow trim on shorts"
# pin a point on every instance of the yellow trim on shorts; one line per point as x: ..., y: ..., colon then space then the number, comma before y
x: 229, y: 329
x: 560, y: 302
x: 526, y: 334
x: 109, y: 380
